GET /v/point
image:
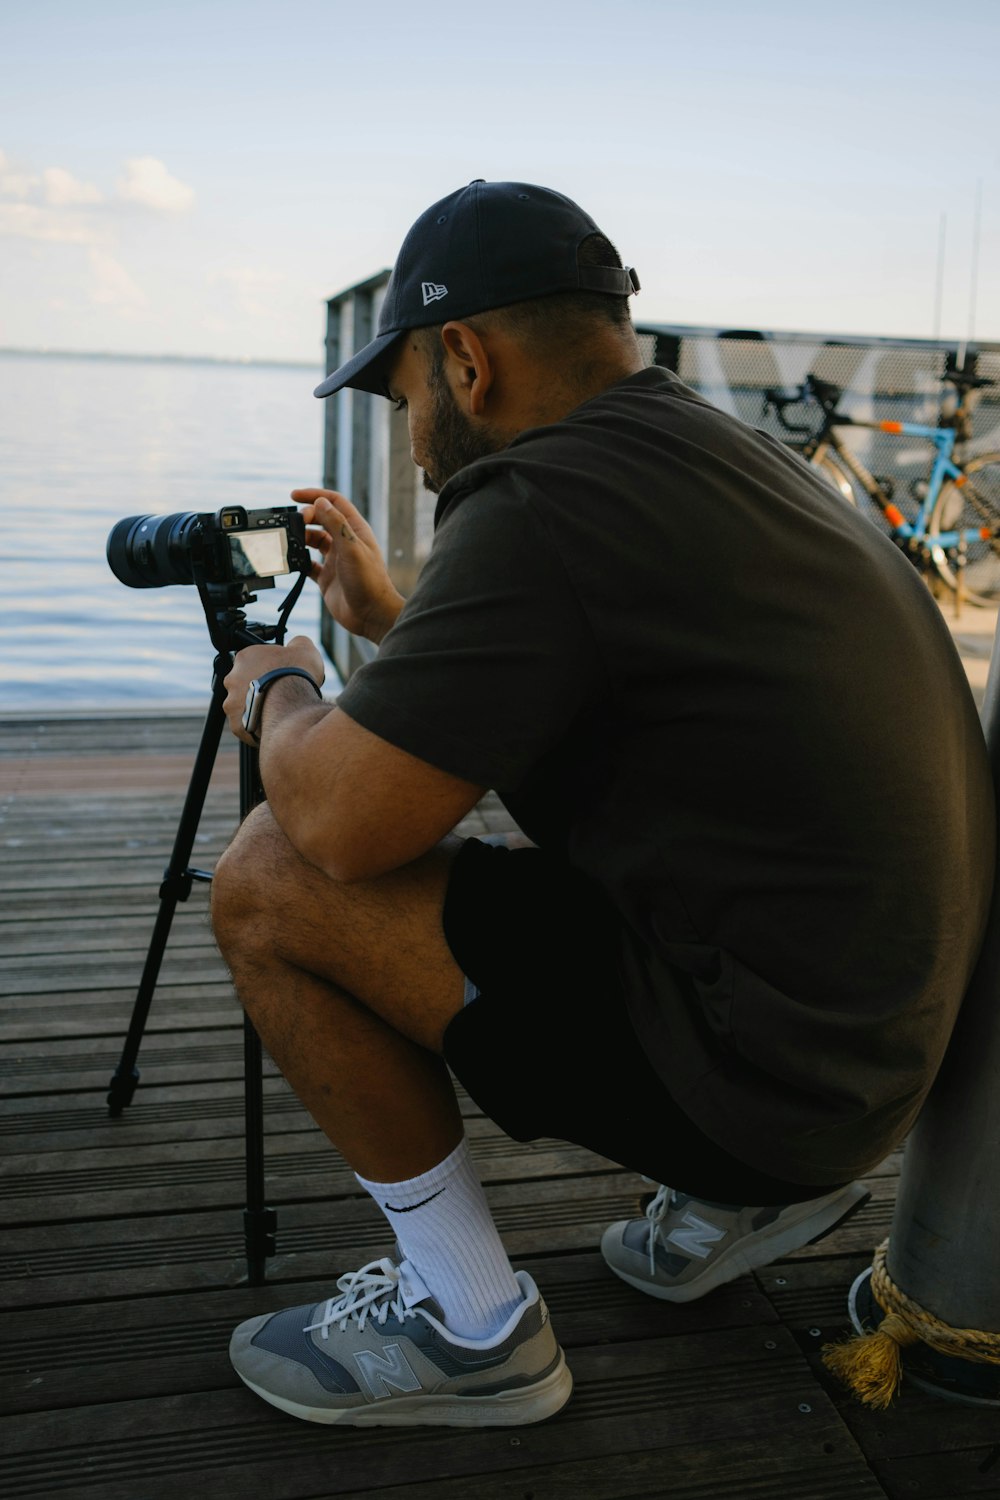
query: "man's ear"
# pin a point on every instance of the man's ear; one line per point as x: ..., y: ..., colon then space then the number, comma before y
x: 469, y: 366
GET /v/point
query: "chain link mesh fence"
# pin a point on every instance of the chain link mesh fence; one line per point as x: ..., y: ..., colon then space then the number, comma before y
x: 881, y: 380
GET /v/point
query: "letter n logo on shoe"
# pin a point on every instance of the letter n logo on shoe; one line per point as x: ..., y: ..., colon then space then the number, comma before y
x: 386, y: 1372
x: 698, y: 1238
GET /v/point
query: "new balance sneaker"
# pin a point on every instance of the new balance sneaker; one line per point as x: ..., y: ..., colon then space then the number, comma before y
x: 685, y: 1247
x: 379, y: 1355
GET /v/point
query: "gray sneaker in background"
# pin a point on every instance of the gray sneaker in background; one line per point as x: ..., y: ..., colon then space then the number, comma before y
x: 379, y: 1355
x: 685, y: 1246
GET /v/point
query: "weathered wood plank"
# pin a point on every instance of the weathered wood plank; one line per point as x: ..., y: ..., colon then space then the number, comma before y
x: 82, y: 903
x: 735, y: 1471
x: 966, y: 1474
x: 657, y: 1394
x: 158, y: 1114
x: 207, y: 1112
x: 118, y: 874
x: 148, y: 1346
x: 78, y: 1063
x: 96, y: 973
x: 90, y: 1259
x: 96, y: 1018
x: 918, y: 1426
x: 33, y: 949
x: 41, y: 775
x: 189, y: 1175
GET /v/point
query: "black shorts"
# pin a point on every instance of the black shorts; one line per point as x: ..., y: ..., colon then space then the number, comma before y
x: 548, y: 1050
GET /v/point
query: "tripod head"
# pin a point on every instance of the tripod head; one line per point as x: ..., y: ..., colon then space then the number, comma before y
x: 228, y: 627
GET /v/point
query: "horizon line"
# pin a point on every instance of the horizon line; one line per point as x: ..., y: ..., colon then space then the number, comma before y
x: 201, y: 359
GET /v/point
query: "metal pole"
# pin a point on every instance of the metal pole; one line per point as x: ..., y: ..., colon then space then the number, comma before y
x: 974, y: 273
x: 946, y: 1227
x: 939, y: 278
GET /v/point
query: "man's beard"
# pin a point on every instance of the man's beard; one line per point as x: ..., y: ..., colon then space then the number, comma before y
x: 455, y: 441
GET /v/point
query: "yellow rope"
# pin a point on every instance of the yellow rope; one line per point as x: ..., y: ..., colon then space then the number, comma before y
x: 871, y: 1363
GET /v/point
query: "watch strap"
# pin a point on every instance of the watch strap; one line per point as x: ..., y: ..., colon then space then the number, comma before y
x: 260, y: 685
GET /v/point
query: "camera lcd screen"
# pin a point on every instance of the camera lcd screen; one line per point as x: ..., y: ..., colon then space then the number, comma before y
x: 259, y: 554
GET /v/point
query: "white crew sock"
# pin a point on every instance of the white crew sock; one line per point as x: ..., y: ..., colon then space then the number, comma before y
x: 445, y: 1229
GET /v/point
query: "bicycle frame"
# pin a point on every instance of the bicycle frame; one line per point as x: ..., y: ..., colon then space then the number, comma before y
x: 943, y: 469
x: 913, y: 535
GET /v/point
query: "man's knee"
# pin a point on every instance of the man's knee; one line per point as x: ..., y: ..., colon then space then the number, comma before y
x: 245, y: 873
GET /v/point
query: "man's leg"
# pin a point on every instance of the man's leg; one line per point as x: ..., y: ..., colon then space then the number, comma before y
x: 351, y: 989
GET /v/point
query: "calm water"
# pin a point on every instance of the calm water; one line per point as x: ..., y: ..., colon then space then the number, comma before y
x: 85, y: 442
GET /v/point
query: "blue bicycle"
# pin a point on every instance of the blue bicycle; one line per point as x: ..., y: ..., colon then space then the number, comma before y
x: 952, y: 529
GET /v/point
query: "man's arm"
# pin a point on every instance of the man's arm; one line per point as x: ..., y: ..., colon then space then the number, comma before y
x: 351, y: 803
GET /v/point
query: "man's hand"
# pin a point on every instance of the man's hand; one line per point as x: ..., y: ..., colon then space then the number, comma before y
x: 254, y: 661
x: 352, y: 576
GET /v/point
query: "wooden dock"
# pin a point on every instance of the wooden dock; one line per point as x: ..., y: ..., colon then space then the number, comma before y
x: 123, y: 1268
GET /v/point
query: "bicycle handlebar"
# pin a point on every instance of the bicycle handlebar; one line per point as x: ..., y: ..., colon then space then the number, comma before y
x: 779, y: 400
x: 961, y: 381
x: 823, y: 392
x: 827, y: 396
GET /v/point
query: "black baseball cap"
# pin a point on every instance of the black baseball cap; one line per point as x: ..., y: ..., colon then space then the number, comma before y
x: 486, y: 245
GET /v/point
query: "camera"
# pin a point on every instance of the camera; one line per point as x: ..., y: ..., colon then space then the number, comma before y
x: 236, y: 550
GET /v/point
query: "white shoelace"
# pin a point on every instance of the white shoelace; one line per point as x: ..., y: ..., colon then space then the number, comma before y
x: 373, y: 1292
x: 655, y: 1212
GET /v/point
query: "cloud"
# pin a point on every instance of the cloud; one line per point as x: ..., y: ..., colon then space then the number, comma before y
x: 56, y: 207
x: 15, y: 184
x: 112, y: 286
x: 145, y: 181
x: 46, y: 220
x: 148, y: 183
x: 36, y: 221
x: 63, y: 189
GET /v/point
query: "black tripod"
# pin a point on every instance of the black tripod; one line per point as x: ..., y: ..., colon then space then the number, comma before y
x: 229, y: 630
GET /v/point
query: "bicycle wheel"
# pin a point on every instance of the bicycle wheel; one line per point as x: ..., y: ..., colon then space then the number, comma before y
x: 836, y: 477
x: 972, y: 505
x: 850, y: 488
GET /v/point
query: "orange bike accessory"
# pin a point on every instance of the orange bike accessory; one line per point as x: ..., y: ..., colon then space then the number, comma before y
x: 890, y: 426
x: 894, y: 515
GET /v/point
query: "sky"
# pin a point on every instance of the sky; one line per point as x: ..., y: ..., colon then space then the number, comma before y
x: 197, y: 178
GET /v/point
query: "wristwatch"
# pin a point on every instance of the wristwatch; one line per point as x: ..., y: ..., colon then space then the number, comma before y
x: 255, y: 695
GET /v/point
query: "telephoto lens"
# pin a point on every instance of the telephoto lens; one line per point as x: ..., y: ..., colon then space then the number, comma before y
x: 148, y: 552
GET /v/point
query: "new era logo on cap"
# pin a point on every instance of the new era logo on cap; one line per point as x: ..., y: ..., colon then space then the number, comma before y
x: 432, y: 292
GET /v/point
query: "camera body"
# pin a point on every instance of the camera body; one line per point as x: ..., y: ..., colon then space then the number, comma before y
x: 233, y: 551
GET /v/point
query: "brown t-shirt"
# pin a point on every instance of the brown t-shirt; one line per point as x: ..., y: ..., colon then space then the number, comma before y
x: 685, y: 664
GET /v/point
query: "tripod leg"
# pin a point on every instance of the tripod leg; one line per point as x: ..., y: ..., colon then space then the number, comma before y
x: 259, y: 1222
x: 176, y: 887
